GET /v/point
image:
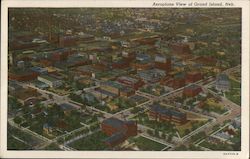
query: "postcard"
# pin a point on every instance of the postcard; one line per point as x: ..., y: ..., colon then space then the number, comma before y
x: 125, y: 79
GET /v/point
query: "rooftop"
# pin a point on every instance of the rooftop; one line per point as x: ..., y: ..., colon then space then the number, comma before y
x: 127, y: 78
x: 114, y: 122
x: 223, y: 77
x: 66, y: 106
x: 113, y: 84
x: 166, y: 111
x: 49, y: 78
x: 115, y: 138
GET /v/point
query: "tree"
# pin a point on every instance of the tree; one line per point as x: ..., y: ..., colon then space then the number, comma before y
x: 163, y: 135
x: 150, y: 132
x: 157, y: 133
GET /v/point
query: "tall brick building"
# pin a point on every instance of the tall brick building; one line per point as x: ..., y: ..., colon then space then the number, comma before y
x: 163, y: 62
x: 118, y: 130
x: 193, y: 76
x: 192, y: 90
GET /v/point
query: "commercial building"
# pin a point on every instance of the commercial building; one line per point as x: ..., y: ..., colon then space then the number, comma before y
x: 117, y: 88
x: 76, y: 60
x: 66, y: 41
x: 128, y: 56
x: 160, y: 113
x: 59, y: 54
x: 143, y: 62
x: 120, y: 64
x: 131, y: 82
x: 151, y: 76
x: 112, y: 87
x: 222, y: 82
x: 178, y: 81
x: 180, y: 48
x: 127, y: 92
x: 118, y: 130
x: 193, y: 76
x: 192, y: 90
x: 39, y: 70
x: 163, y: 62
x: 23, y: 75
x: 52, y: 82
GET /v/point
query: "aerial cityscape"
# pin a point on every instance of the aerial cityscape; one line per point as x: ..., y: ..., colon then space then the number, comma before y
x: 124, y: 79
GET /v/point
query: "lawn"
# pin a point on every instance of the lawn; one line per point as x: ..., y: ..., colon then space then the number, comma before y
x: 19, y: 140
x: 214, y: 106
x: 145, y: 144
x: 216, y: 147
x: 165, y: 127
x: 188, y: 127
x: 92, y: 142
x: 14, y: 144
x: 234, y: 94
x: 58, y: 120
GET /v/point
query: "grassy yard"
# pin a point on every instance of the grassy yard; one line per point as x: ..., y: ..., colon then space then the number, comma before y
x: 14, y: 144
x: 234, y: 94
x: 188, y: 127
x: 145, y: 144
x: 19, y: 140
x: 166, y: 127
x: 91, y: 143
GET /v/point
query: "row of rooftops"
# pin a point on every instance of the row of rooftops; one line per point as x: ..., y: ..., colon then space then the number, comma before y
x: 117, y: 85
x: 127, y: 78
x: 166, y: 111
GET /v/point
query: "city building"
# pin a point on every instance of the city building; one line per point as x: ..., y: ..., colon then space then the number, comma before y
x: 76, y: 60
x: 131, y: 82
x: 118, y: 130
x: 192, y: 90
x: 39, y: 70
x: 193, y: 76
x: 142, y: 65
x: 180, y: 48
x: 152, y: 75
x: 111, y: 86
x: 137, y: 99
x: 40, y: 84
x: 143, y: 62
x: 128, y: 56
x: 22, y: 75
x: 127, y: 92
x: 159, y: 113
x: 163, y: 62
x: 117, y: 88
x: 178, y: 81
x: 59, y: 54
x: 88, y: 70
x: 120, y: 64
x: 52, y: 82
x: 66, y: 41
x: 222, y: 82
